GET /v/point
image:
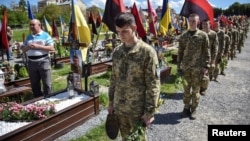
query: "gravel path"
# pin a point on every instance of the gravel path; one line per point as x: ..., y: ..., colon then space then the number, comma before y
x: 226, y: 102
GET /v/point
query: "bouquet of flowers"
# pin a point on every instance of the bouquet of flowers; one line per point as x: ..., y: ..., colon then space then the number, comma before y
x: 13, y: 111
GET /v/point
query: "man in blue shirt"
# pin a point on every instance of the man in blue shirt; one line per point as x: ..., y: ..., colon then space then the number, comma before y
x: 37, y: 46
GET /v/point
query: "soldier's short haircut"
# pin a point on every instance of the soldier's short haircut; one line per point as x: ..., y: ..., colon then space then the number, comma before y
x: 124, y: 19
x: 206, y: 20
x: 193, y: 15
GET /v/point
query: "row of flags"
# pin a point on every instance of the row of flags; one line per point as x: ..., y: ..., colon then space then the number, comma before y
x: 81, y: 29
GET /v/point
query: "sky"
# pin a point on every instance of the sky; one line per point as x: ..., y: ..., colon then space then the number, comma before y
x: 174, y: 4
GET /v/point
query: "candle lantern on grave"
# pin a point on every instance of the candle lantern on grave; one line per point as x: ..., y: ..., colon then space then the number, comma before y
x: 70, y: 85
x: 94, y: 88
x: 2, y: 79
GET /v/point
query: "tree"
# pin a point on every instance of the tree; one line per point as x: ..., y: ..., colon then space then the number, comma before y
x: 52, y: 12
x: 22, y: 5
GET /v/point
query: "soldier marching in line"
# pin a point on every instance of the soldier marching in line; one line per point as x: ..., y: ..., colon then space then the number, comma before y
x: 213, y: 45
x: 221, y: 48
x: 193, y: 62
x: 227, y: 49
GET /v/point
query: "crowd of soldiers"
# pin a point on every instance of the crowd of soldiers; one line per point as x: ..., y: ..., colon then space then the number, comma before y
x: 225, y: 40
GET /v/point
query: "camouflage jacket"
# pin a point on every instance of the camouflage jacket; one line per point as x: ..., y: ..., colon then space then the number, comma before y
x: 227, y: 43
x: 134, y: 83
x: 213, y: 43
x: 194, y: 51
x: 221, y: 39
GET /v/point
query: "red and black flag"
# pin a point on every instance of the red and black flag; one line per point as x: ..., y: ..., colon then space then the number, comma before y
x: 98, y: 20
x: 200, y: 7
x: 55, y: 33
x: 225, y: 20
x: 141, y: 31
x: 4, y: 36
x: 91, y: 23
x: 112, y: 9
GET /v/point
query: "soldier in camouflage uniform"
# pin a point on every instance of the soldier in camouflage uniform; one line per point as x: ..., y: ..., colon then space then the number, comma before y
x: 227, y: 50
x: 241, y: 39
x: 228, y: 37
x: 213, y: 45
x: 234, y: 40
x: 75, y: 67
x: 135, y: 80
x: 193, y: 61
x: 221, y: 48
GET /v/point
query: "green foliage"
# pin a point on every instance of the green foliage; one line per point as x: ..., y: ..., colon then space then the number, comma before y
x: 138, y: 133
x: 103, y: 99
x: 52, y: 12
x: 96, y: 134
x: 23, y: 73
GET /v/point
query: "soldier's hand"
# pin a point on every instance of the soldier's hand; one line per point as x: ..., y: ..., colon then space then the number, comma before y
x: 110, y: 109
x: 179, y: 71
x: 147, y: 120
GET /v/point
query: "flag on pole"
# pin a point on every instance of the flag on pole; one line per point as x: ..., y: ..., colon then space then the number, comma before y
x: 47, y: 26
x: 30, y: 13
x: 140, y: 29
x: 152, y: 18
x: 54, y: 30
x: 200, y: 7
x: 98, y: 20
x: 4, y: 36
x: 165, y: 23
x: 91, y: 22
x: 62, y: 25
x: 112, y: 9
x: 79, y: 29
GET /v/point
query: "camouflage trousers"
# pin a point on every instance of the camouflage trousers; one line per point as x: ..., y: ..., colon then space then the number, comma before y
x: 217, y: 67
x: 232, y: 51
x: 223, y: 63
x: 191, y: 87
x: 205, y: 80
x: 127, y: 126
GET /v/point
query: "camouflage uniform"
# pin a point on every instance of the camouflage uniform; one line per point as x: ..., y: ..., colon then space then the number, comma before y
x: 76, y: 69
x: 241, y: 40
x: 228, y: 40
x: 221, y: 48
x: 226, y: 52
x: 213, y: 45
x: 134, y: 84
x: 234, y: 39
x: 193, y: 57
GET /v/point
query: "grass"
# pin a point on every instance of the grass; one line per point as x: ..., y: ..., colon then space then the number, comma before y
x: 95, y: 134
x: 20, y: 34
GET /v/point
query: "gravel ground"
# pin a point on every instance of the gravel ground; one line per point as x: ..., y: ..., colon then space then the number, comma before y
x: 226, y: 102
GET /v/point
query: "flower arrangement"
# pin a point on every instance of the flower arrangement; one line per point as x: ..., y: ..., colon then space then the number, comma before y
x: 13, y: 111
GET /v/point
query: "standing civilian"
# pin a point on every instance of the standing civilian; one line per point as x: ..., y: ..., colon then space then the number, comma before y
x: 37, y: 47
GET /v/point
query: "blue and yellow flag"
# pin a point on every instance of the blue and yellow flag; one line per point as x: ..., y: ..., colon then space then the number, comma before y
x: 165, y: 22
x: 80, y: 29
x: 47, y: 26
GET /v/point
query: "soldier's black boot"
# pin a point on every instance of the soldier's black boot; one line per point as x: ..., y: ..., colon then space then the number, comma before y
x: 186, y: 112
x: 193, y: 115
x: 203, y: 91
